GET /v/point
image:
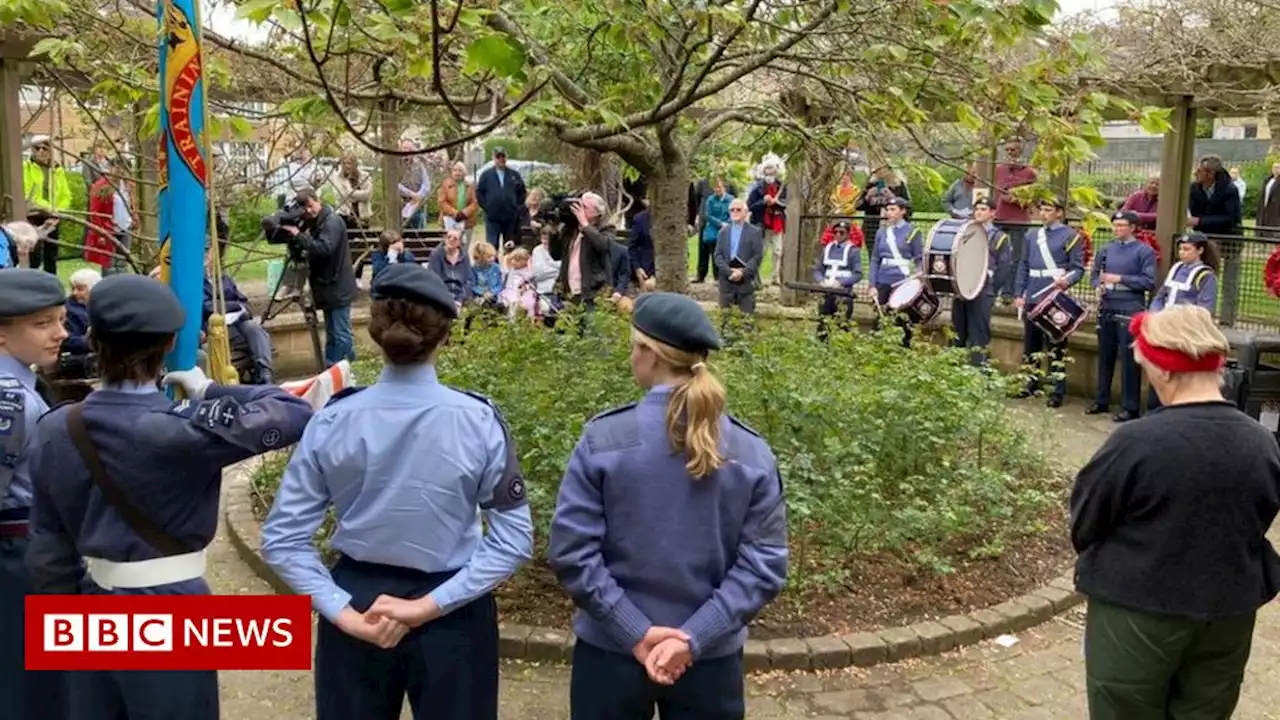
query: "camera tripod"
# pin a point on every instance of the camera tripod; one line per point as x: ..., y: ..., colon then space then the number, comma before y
x: 296, y: 269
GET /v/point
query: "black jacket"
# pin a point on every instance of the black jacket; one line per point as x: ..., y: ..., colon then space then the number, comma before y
x: 593, y: 258
x: 620, y: 274
x: 333, y: 280
x: 502, y: 202
x: 1219, y: 214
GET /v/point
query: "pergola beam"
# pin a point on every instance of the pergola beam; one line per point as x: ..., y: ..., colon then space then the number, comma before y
x: 1175, y: 175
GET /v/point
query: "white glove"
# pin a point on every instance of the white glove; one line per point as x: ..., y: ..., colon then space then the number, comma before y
x: 193, y: 382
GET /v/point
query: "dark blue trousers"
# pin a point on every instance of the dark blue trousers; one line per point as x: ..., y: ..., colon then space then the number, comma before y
x: 972, y: 321
x: 448, y: 667
x: 1034, y: 342
x: 23, y: 695
x: 612, y: 686
x: 143, y: 695
x: 829, y: 306
x: 1115, y: 342
x: 882, y: 294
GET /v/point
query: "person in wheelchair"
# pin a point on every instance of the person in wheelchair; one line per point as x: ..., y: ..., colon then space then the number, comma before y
x: 241, y: 327
x: 77, y: 306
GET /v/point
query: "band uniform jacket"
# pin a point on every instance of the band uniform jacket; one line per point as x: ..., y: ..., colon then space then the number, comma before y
x: 1188, y: 283
x: 1052, y: 252
x: 898, y: 248
x: 750, y: 255
x: 1000, y: 260
x: 841, y: 262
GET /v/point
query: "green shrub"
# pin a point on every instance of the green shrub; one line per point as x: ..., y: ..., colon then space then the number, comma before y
x: 881, y: 449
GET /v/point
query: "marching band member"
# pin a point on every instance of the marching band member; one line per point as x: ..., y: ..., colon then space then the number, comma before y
x: 409, y: 464
x: 972, y: 318
x: 1050, y: 248
x: 31, y: 333
x: 839, y: 265
x: 670, y: 533
x: 1191, y: 281
x: 899, y: 246
x: 130, y: 481
x: 1125, y: 271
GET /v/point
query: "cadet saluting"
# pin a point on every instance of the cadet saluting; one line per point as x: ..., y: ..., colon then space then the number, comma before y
x: 31, y: 333
x: 406, y: 462
x: 130, y: 480
x: 668, y: 555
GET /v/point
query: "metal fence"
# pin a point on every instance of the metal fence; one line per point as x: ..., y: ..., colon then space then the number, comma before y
x: 1243, y: 300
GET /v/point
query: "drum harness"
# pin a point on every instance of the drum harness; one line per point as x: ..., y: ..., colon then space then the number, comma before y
x: 832, y: 272
x: 1175, y: 286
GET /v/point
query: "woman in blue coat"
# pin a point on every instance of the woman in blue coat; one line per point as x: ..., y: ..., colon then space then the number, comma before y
x: 670, y: 533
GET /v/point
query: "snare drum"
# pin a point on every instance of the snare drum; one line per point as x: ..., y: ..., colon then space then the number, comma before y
x: 956, y: 258
x: 915, y: 299
x: 1058, y: 315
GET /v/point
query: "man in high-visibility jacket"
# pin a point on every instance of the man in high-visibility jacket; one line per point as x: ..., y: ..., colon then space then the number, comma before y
x: 44, y: 183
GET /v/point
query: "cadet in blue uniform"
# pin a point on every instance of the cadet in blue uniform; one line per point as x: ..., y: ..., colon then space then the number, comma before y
x: 1054, y: 257
x: 839, y: 265
x: 972, y: 318
x: 1125, y: 271
x: 407, y: 463
x: 668, y: 555
x: 31, y: 333
x: 130, y: 480
x: 1192, y: 280
x: 895, y: 257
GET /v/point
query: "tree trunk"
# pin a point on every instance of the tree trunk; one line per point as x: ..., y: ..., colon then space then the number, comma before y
x: 668, y: 208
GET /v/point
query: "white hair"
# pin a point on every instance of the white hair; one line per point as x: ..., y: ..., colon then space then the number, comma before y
x: 85, y: 278
x: 596, y: 201
x: 24, y: 235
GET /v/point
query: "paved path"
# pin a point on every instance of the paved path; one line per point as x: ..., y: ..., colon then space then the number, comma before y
x: 1041, y: 677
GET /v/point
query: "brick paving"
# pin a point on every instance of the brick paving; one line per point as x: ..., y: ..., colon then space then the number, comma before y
x: 1039, y: 678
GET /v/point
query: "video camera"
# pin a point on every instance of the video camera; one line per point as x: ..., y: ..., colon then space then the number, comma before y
x: 557, y: 211
x: 290, y: 215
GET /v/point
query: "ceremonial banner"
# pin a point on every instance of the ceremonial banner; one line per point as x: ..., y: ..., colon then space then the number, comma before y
x: 185, y: 169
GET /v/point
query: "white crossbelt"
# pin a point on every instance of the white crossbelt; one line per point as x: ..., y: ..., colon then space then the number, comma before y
x: 836, y: 268
x: 897, y: 260
x: 1051, y: 269
x: 146, y: 573
x: 1176, y: 286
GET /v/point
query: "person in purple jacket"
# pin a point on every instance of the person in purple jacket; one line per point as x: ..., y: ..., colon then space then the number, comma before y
x: 670, y: 534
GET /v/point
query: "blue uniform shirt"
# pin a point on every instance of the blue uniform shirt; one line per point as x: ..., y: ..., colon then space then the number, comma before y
x: 1193, y: 283
x: 898, y: 249
x: 407, y: 463
x: 166, y: 457
x: 636, y: 541
x: 1052, y: 251
x: 1135, y: 263
x: 841, y: 262
x: 20, y: 407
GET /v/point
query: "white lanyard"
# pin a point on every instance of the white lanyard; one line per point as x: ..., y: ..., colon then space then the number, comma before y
x: 1051, y: 267
x: 897, y: 260
x: 836, y: 268
x: 1176, y: 286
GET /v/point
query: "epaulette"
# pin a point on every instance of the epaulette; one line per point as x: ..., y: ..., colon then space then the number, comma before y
x: 344, y: 393
x: 744, y: 426
x: 482, y: 398
x: 612, y: 411
x: 1075, y: 238
x: 611, y: 430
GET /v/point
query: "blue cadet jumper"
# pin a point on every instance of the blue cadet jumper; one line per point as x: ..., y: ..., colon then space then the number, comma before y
x: 972, y: 318
x: 839, y: 262
x: 144, y: 515
x: 1135, y: 262
x: 407, y: 463
x: 23, y: 291
x: 637, y: 542
x: 1052, y: 251
x: 896, y: 256
x: 1193, y: 283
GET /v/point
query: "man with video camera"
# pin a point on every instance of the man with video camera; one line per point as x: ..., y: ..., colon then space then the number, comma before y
x: 583, y: 246
x: 319, y: 241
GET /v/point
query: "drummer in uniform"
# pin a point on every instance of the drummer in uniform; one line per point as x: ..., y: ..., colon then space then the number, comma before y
x: 1192, y: 280
x: 1053, y: 261
x: 1125, y: 271
x: 839, y: 266
x: 896, y: 256
x: 972, y: 318
x: 31, y: 333
x: 670, y: 533
x: 130, y: 480
x: 410, y: 465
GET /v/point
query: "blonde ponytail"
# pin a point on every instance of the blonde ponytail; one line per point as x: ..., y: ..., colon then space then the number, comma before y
x: 693, y: 409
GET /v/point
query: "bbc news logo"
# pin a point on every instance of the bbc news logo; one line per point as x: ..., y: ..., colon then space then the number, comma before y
x: 168, y: 632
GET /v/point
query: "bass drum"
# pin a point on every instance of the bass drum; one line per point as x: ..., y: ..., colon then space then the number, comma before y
x: 956, y: 258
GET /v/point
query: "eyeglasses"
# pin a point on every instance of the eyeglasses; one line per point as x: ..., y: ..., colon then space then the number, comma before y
x: 737, y: 209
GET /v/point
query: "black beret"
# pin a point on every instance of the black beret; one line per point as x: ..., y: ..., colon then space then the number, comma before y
x: 1054, y: 201
x: 1195, y: 238
x: 900, y: 202
x: 416, y: 284
x: 134, y: 304
x: 1128, y: 216
x: 984, y: 202
x: 24, y: 291
x: 676, y: 320
x: 841, y: 225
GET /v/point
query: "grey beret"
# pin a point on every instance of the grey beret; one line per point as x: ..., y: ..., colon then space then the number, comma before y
x: 416, y: 284
x: 24, y: 291
x: 676, y: 320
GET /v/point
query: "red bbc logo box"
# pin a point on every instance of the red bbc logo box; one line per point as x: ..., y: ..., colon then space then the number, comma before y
x: 168, y: 632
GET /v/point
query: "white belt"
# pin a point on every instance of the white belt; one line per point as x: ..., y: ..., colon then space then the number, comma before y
x: 146, y: 573
x: 1055, y: 273
x: 895, y: 263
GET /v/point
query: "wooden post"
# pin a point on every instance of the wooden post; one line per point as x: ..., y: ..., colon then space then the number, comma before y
x: 791, y: 235
x: 390, y: 137
x: 13, y: 204
x: 1175, y: 176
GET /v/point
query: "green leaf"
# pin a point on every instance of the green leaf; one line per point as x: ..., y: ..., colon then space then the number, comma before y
x: 150, y: 126
x: 257, y: 11
x: 420, y: 66
x: 1155, y: 120
x: 241, y: 128
x: 968, y: 117
x: 496, y: 53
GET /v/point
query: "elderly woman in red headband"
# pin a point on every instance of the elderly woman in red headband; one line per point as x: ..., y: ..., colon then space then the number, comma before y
x: 1170, y: 519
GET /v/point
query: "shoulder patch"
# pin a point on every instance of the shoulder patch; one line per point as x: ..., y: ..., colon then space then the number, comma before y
x: 346, y: 393
x: 9, y: 382
x: 183, y: 408
x: 744, y: 426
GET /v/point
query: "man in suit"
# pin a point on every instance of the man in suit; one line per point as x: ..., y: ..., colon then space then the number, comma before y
x: 501, y: 193
x: 739, y: 251
x: 1269, y: 202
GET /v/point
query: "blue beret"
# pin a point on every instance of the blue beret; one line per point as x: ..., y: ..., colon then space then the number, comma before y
x: 1128, y: 216
x: 134, y: 304
x: 24, y: 291
x: 416, y: 284
x: 1195, y: 238
x: 676, y: 320
x: 900, y: 202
